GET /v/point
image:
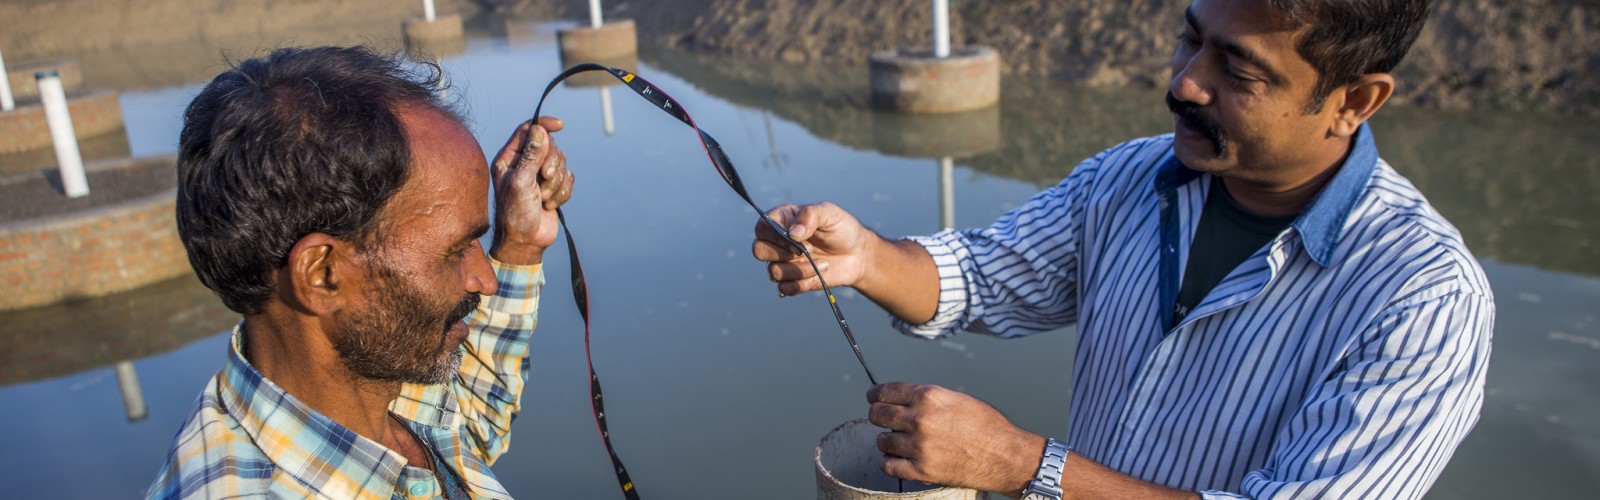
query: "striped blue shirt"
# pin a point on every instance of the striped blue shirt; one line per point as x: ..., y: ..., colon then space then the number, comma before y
x: 1344, y: 359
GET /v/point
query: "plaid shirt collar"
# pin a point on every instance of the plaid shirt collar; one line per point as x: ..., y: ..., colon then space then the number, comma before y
x: 322, y: 454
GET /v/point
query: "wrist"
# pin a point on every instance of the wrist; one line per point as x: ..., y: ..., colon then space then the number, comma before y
x: 1047, y: 481
x: 519, y: 254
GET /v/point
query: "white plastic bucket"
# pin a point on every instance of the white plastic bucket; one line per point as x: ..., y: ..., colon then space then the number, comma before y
x: 847, y: 466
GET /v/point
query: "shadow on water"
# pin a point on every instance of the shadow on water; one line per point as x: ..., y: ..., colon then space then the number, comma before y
x: 81, y: 335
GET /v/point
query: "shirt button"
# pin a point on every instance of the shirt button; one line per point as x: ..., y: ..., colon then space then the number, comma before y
x: 419, y: 489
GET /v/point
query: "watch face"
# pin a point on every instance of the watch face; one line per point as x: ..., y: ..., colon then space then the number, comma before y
x: 1036, y: 496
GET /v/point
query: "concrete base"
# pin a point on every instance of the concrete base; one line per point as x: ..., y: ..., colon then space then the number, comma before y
x: 95, y: 250
x: 611, y: 40
x: 107, y: 146
x: 93, y: 113
x: 916, y: 82
x: 441, y: 37
x: 23, y: 85
x: 629, y: 62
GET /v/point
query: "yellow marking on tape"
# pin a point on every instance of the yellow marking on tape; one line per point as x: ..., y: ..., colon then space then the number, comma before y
x: 831, y: 300
x: 627, y: 487
x: 628, y: 78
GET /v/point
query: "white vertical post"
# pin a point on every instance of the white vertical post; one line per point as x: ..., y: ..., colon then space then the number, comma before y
x: 7, y: 103
x: 66, y: 141
x: 594, y: 14
x: 941, y: 28
x: 427, y: 10
x: 605, y: 109
x: 132, y: 394
x: 947, y: 193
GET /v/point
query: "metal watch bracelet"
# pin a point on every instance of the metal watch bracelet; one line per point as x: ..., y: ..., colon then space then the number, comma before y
x: 1046, y: 483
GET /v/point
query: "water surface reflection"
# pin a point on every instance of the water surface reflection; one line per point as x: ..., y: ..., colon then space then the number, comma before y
x: 716, y: 388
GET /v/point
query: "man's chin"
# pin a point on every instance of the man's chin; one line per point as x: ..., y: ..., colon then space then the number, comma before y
x: 1199, y: 154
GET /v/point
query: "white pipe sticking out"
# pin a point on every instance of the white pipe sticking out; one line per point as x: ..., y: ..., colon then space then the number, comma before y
x: 941, y: 28
x: 427, y: 10
x: 66, y: 141
x: 594, y: 14
x: 132, y: 393
x: 7, y: 103
x: 947, y: 193
x: 605, y: 109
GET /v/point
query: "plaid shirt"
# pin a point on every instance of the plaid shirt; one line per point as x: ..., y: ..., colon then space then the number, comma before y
x: 246, y: 436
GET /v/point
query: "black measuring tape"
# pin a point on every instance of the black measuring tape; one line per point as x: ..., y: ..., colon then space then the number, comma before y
x: 580, y: 289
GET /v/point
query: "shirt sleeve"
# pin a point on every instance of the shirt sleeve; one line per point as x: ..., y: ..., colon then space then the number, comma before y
x: 1385, y: 423
x: 1018, y: 276
x: 494, y: 367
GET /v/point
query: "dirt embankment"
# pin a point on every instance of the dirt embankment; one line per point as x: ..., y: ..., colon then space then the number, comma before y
x: 1535, y: 55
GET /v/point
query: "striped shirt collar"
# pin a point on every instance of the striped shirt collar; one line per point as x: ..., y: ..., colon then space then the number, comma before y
x: 306, y: 444
x: 1322, y: 223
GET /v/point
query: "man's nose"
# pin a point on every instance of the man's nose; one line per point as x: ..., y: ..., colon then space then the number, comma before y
x: 1186, y: 84
x: 480, y: 274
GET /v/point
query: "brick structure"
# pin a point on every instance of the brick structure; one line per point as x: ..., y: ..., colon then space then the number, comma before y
x: 94, y: 251
x: 915, y: 81
x: 23, y: 86
x: 611, y: 40
x: 101, y: 147
x: 93, y: 113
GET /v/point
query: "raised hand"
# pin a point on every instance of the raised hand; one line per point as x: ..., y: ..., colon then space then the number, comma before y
x: 531, y: 180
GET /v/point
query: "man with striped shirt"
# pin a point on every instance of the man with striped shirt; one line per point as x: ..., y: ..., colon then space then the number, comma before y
x: 331, y: 198
x: 1265, y: 308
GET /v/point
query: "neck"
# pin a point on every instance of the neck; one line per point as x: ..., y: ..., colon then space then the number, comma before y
x: 1291, y: 192
x: 293, y: 351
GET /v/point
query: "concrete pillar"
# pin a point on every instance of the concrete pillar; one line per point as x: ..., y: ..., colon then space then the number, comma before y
x: 611, y: 40
x: 439, y: 37
x: 7, y: 101
x: 68, y: 160
x: 916, y: 81
x: 941, y: 28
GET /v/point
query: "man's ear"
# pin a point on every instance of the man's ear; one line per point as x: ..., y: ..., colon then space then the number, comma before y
x: 1358, y: 101
x: 319, y: 269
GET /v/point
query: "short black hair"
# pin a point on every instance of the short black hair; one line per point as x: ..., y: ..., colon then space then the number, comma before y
x: 303, y: 140
x: 1350, y: 38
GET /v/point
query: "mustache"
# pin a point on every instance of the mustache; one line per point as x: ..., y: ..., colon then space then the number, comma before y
x: 469, y: 303
x: 1199, y: 121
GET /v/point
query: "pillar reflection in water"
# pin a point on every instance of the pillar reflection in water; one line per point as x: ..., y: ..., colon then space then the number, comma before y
x: 947, y: 193
x: 605, y: 110
x: 132, y: 393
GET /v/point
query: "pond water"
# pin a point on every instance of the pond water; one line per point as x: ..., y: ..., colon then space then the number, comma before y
x: 717, y: 388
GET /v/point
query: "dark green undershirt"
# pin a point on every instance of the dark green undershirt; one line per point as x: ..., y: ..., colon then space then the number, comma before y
x: 1228, y: 234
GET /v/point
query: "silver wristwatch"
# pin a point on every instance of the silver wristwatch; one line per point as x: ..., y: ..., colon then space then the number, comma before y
x: 1046, y: 484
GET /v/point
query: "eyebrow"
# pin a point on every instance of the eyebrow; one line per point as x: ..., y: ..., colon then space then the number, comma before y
x: 1234, y: 49
x: 477, y: 232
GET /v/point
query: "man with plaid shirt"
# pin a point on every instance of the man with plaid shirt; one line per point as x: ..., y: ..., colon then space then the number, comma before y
x: 329, y: 197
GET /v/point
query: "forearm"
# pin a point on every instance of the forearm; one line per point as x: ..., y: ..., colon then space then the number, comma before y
x: 901, y: 278
x: 491, y: 375
x: 1083, y: 479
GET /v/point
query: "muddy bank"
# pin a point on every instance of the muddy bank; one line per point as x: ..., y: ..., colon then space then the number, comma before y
x: 141, y: 44
x: 1532, y: 55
